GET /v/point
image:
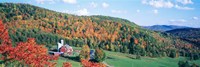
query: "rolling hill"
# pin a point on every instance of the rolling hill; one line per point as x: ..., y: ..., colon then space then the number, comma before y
x: 191, y: 35
x: 110, y: 33
x: 163, y: 28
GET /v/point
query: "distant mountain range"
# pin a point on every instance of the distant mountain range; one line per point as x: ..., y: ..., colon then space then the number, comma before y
x: 164, y: 27
x: 191, y: 35
x: 185, y: 33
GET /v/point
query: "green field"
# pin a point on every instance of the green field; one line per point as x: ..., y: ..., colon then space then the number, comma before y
x: 121, y: 60
x: 116, y: 59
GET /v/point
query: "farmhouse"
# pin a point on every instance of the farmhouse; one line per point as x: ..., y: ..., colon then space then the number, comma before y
x: 64, y: 48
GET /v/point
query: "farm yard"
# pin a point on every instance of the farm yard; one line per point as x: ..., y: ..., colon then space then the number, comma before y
x: 117, y: 59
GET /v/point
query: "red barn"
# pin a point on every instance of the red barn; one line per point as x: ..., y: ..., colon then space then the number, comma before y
x: 66, y: 49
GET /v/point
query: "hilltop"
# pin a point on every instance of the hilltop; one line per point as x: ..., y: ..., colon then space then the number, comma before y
x: 164, y: 28
x: 191, y: 35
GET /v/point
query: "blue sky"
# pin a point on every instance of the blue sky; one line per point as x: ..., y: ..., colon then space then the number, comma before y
x: 141, y: 12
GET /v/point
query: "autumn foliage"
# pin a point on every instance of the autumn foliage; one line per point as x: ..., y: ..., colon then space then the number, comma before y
x: 4, y: 40
x: 87, y: 63
x: 4, y: 37
x: 85, y: 52
x: 31, y: 54
x: 99, y: 55
x: 136, y: 41
x: 27, y: 53
x: 67, y: 64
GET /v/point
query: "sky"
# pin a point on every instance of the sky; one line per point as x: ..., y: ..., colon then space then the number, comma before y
x: 141, y: 12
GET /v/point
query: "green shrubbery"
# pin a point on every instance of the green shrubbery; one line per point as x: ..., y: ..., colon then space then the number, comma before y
x: 100, y: 55
x: 186, y: 64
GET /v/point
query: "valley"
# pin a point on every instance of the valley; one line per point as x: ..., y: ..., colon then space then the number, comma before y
x: 118, y: 42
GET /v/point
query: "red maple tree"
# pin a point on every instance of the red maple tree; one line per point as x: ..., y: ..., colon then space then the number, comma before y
x: 67, y: 64
x: 27, y: 53
x: 87, y: 63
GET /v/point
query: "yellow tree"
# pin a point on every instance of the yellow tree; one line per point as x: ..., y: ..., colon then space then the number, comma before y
x: 85, y: 52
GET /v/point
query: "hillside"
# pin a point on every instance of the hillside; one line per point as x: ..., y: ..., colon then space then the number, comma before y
x: 191, y: 35
x: 109, y: 33
x: 164, y: 27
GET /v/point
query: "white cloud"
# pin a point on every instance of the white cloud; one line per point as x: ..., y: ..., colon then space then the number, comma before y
x: 168, y: 4
x: 185, y: 1
x: 195, y: 18
x: 177, y: 21
x: 158, y: 3
x: 94, y: 5
x: 40, y: 1
x: 144, y: 1
x: 54, y: 1
x: 119, y: 11
x: 70, y: 12
x: 83, y: 11
x: 67, y: 11
x: 80, y: 12
x: 183, y: 8
x: 105, y: 5
x: 45, y: 1
x: 137, y: 10
x: 69, y: 1
x: 155, y: 11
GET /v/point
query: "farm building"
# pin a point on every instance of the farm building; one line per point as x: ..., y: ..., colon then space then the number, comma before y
x: 92, y: 55
x: 64, y: 48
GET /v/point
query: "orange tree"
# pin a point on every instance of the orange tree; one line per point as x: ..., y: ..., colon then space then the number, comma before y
x: 85, y: 52
x: 87, y: 63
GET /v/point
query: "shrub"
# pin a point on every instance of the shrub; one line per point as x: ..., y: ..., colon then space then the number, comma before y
x: 194, y: 65
x: 183, y: 64
x: 85, y: 52
x: 67, y: 64
x: 99, y: 55
x: 87, y: 63
x: 138, y: 57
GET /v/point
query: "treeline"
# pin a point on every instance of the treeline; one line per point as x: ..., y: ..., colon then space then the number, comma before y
x: 186, y: 64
